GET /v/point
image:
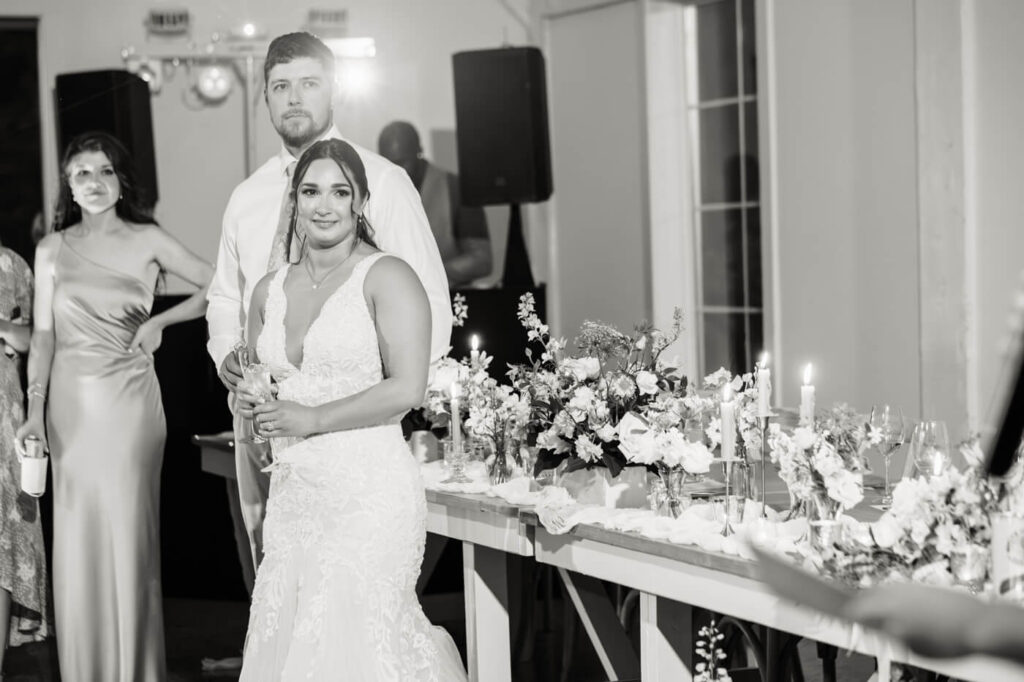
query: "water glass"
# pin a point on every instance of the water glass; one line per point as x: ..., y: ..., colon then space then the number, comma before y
x: 888, y: 421
x: 929, y: 446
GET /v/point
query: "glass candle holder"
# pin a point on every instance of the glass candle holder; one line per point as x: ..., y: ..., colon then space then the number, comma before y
x: 969, y: 565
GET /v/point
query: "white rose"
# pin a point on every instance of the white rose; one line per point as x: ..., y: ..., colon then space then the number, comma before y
x: 574, y: 367
x: 845, y: 488
x: 592, y: 366
x: 606, y: 433
x: 804, y: 437
x: 636, y: 441
x: 444, y: 377
x: 886, y: 531
x: 550, y: 440
x: 647, y: 382
x: 696, y: 458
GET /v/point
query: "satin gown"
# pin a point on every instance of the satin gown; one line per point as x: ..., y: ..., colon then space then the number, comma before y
x: 335, y: 596
x: 105, y: 422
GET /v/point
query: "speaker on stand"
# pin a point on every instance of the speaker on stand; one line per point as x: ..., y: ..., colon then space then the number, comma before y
x: 501, y: 119
x: 112, y: 101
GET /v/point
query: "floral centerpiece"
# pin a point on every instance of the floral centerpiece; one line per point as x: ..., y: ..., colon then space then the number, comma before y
x: 824, y: 466
x: 578, y: 403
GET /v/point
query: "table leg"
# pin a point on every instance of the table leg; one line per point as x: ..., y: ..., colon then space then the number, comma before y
x: 666, y: 639
x: 487, y: 629
x: 601, y: 622
x: 432, y: 550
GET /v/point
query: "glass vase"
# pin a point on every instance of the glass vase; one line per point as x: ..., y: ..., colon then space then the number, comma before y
x: 676, y: 499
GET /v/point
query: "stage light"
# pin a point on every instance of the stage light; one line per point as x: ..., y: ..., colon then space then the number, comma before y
x: 356, y: 77
x: 344, y: 48
x: 213, y: 83
x: 249, y: 30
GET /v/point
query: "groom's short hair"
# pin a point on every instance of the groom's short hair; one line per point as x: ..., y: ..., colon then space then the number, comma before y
x: 290, y: 46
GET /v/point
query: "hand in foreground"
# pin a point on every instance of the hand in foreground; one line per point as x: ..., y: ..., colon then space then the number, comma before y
x: 148, y: 338
x: 934, y: 622
x: 230, y: 372
x: 284, y: 418
x: 247, y: 399
x: 33, y: 426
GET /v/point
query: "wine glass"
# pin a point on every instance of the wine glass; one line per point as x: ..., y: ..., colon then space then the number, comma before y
x: 929, y: 446
x: 257, y: 380
x: 888, y: 421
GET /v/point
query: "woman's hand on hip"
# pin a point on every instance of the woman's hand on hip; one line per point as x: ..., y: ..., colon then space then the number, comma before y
x: 148, y: 338
x: 279, y: 418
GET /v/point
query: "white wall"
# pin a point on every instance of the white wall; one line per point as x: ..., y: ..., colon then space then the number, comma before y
x: 998, y: 110
x: 200, y: 153
x: 846, y: 200
x: 600, y: 264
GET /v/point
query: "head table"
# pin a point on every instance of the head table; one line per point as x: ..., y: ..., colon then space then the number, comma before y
x: 671, y: 579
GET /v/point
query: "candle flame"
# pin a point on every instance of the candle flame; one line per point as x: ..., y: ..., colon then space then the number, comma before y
x: 763, y: 362
x: 474, y: 342
x: 454, y: 390
x: 807, y: 374
x: 727, y: 393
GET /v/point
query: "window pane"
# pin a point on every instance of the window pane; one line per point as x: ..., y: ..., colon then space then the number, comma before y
x: 721, y: 249
x: 756, y: 339
x: 749, y: 47
x: 719, y: 154
x: 754, y: 282
x: 724, y: 345
x: 716, y: 50
x: 750, y: 152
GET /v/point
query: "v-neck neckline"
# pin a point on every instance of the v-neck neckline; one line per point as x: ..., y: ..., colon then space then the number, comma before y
x: 316, y: 318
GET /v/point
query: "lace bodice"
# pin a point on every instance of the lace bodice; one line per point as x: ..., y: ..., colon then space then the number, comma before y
x: 340, y: 355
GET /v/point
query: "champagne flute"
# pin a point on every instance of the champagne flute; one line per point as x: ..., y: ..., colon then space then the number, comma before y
x: 929, y: 446
x: 888, y: 421
x: 257, y: 380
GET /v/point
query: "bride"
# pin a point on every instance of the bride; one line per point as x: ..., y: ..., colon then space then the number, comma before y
x: 346, y: 333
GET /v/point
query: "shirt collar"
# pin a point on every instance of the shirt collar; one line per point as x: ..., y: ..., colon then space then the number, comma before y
x: 285, y: 157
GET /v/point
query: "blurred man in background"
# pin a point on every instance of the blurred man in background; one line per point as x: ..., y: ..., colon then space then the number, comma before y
x: 461, y: 231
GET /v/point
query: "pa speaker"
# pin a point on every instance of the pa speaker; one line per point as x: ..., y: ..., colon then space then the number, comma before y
x: 501, y: 121
x: 115, y: 102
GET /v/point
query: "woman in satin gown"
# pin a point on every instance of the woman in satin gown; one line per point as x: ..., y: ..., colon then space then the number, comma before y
x: 346, y: 333
x: 90, y: 370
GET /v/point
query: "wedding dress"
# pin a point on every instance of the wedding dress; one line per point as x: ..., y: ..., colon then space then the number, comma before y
x: 345, y: 528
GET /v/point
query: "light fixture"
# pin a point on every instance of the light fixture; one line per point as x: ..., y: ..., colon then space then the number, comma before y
x: 213, y: 83
x: 149, y: 70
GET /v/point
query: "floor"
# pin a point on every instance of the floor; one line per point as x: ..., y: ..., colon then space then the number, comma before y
x: 198, y: 629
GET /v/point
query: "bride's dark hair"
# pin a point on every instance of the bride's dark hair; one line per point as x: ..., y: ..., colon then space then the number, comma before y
x: 347, y: 158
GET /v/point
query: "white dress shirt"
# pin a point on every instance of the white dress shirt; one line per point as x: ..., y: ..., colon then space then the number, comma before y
x: 394, y: 211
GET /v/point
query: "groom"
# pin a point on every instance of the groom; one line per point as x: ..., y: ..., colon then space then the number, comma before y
x: 299, y: 92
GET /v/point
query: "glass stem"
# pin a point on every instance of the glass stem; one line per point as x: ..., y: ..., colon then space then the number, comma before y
x: 888, y: 457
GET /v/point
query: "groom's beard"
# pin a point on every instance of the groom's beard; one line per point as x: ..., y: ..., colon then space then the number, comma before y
x: 298, y: 128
